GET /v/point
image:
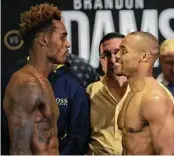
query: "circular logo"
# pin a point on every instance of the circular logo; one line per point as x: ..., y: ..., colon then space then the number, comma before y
x: 13, y: 40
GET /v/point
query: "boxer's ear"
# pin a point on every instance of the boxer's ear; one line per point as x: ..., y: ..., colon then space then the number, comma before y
x: 43, y: 39
x: 145, y: 56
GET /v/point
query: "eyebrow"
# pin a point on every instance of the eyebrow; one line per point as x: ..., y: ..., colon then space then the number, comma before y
x: 117, y: 49
x: 122, y: 46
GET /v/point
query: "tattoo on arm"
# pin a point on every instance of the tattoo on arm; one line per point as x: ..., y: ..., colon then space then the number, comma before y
x: 21, y: 138
x: 44, y: 130
x: 21, y: 101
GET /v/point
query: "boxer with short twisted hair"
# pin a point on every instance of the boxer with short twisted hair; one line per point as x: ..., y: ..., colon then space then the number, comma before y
x: 29, y: 101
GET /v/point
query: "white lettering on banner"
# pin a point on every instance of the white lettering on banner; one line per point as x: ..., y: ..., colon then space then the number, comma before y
x: 101, y: 26
x: 103, y: 23
x: 150, y: 21
x: 129, y: 4
x: 127, y: 22
x: 98, y: 4
x: 119, y: 4
x: 88, y: 4
x: 164, y: 23
x: 77, y: 4
x: 83, y: 30
x: 139, y: 4
x: 108, y: 4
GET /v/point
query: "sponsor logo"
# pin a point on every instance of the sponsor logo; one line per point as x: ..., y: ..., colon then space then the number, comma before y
x: 62, y: 101
x: 13, y: 40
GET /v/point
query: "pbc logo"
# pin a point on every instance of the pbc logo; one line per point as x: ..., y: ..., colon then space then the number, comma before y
x: 62, y: 101
x: 13, y: 40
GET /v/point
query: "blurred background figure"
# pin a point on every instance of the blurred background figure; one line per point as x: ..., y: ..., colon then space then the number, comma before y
x: 166, y: 77
x: 83, y: 70
x: 106, y: 99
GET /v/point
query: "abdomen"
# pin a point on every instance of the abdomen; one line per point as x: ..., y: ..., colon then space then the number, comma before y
x: 42, y: 148
x: 138, y: 143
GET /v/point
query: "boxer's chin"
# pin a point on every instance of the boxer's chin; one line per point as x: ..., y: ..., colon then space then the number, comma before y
x: 117, y: 69
x: 122, y: 81
x: 118, y: 72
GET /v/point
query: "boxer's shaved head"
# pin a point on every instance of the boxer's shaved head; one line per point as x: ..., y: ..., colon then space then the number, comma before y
x: 137, y: 50
x: 147, y: 41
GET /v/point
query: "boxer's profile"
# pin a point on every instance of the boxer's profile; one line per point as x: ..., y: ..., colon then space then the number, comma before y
x: 147, y: 116
x: 29, y: 101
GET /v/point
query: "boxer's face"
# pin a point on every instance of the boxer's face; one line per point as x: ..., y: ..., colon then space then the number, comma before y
x: 108, y: 49
x: 58, y: 44
x: 129, y: 56
x: 167, y: 65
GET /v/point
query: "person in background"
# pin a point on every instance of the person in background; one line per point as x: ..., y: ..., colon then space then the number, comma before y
x: 83, y: 70
x: 167, y: 64
x: 106, y: 98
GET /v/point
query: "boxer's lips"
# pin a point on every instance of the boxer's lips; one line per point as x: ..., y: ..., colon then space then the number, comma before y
x: 116, y: 66
x: 67, y: 53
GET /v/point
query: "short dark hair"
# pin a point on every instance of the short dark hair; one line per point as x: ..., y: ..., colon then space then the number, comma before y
x: 110, y: 36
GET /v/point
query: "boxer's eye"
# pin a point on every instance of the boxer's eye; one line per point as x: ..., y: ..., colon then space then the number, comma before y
x: 63, y: 38
x: 123, y: 51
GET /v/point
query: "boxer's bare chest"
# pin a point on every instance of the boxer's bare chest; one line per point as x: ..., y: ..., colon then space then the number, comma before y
x: 45, y: 117
x: 49, y: 107
x: 133, y: 121
x: 130, y: 115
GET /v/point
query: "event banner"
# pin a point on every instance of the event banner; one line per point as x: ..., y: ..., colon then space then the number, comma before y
x: 88, y: 20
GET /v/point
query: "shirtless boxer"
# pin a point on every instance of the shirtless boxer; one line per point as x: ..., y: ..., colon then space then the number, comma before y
x: 147, y: 116
x: 29, y: 101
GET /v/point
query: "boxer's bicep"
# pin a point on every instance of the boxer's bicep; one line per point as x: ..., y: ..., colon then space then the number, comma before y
x: 21, y: 130
x: 157, y: 112
x: 20, y: 113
